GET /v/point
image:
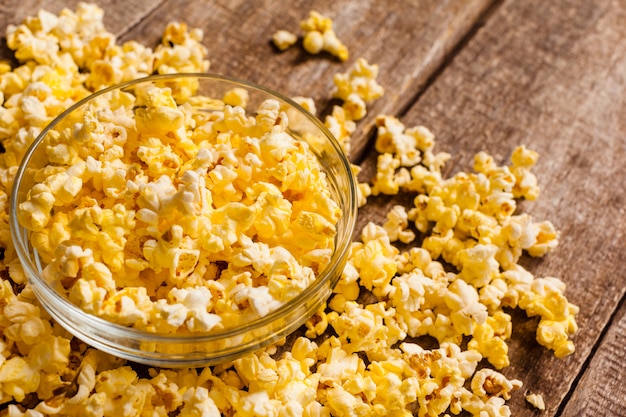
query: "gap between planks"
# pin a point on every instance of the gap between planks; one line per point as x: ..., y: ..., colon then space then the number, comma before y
x: 590, y: 357
x: 447, y: 59
x: 155, y: 7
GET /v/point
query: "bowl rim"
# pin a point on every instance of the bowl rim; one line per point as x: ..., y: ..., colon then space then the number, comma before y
x: 342, y: 247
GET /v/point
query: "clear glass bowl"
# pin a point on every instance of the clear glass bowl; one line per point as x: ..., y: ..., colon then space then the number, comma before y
x: 193, y: 349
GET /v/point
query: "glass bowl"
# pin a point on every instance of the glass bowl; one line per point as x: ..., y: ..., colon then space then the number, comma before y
x: 203, y: 96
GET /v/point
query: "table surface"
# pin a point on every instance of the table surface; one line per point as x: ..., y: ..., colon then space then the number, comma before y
x: 482, y: 75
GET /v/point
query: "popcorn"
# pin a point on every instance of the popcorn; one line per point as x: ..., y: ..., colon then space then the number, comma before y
x: 180, y: 51
x: 283, y: 39
x: 373, y: 258
x: 403, y: 148
x: 386, y: 182
x: 392, y: 138
x: 237, y: 97
x: 197, y: 402
x: 164, y: 251
x: 478, y: 265
x: 396, y: 225
x: 468, y: 221
x: 545, y: 298
x: 355, y: 107
x: 536, y: 400
x: 339, y: 366
x: 363, y: 329
x: 466, y: 311
x: 359, y: 80
x: 341, y: 126
x: 525, y: 181
x: 363, y: 189
x: 487, y: 382
x: 320, y: 36
x: 36, y: 210
x: 489, y: 339
x: 274, y: 199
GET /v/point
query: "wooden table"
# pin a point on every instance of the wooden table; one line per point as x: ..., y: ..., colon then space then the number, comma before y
x: 482, y: 75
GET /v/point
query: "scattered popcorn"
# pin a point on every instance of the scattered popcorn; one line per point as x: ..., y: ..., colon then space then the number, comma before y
x: 487, y: 382
x: 283, y: 39
x: 545, y: 298
x: 525, y: 181
x: 396, y: 225
x: 319, y: 36
x: 358, y: 356
x: 536, y: 400
x: 341, y: 126
x: 359, y: 80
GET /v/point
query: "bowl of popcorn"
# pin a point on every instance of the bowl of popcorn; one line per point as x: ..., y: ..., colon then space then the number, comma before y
x: 183, y: 220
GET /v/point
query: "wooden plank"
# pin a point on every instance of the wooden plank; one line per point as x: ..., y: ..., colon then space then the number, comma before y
x: 408, y: 46
x: 602, y: 389
x: 426, y: 31
x: 552, y: 76
x: 549, y: 75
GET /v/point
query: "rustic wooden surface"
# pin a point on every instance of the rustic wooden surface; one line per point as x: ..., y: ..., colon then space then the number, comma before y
x: 483, y: 75
x: 552, y: 75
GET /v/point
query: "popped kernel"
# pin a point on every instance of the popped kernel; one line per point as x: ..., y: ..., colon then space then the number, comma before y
x: 274, y: 244
x: 341, y: 126
x: 525, y: 181
x: 489, y: 339
x: 360, y: 80
x: 319, y: 36
x: 487, y: 382
x: 397, y: 224
x: 536, y: 400
x: 373, y: 258
x: 355, y: 88
x: 545, y: 298
x: 283, y: 39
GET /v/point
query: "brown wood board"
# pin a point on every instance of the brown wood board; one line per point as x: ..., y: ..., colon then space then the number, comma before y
x: 482, y: 75
x: 552, y: 76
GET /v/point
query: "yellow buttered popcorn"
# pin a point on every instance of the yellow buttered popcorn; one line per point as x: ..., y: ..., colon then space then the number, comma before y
x: 283, y: 39
x: 421, y: 301
x: 545, y: 298
x: 397, y: 224
x: 536, y: 400
x: 487, y: 382
x: 237, y: 97
x: 373, y: 259
x: 320, y: 36
x: 264, y: 210
x: 359, y: 80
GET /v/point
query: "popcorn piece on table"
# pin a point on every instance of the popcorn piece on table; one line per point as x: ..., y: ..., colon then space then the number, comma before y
x: 536, y: 400
x: 283, y: 39
x: 360, y: 80
x: 320, y: 36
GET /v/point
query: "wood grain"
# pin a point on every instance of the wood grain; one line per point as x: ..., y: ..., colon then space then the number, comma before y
x: 483, y: 75
x: 551, y: 76
x: 602, y: 389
